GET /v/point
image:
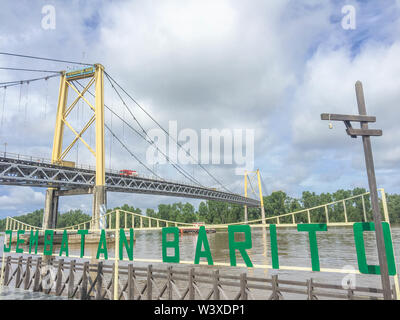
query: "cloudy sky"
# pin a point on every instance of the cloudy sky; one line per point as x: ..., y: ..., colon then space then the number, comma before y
x: 268, y: 66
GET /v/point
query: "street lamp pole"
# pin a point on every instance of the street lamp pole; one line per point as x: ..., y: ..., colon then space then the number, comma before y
x: 365, y: 133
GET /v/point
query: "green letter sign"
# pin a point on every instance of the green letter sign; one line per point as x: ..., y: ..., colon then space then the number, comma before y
x: 358, y: 229
x: 202, y: 240
x: 48, y: 241
x: 274, y: 246
x: 240, y: 245
x: 170, y: 244
x: 123, y: 241
x: 312, y: 229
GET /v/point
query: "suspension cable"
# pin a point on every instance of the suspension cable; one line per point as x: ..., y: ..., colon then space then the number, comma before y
x: 151, y: 142
x: 31, y: 70
x: 41, y: 58
x: 215, y: 179
x: 132, y: 154
x: 17, y: 82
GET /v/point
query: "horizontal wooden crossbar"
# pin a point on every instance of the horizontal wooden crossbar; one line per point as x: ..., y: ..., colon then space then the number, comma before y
x: 347, y: 117
x: 363, y: 132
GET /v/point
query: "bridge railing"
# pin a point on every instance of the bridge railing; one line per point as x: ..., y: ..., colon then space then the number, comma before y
x: 342, y: 212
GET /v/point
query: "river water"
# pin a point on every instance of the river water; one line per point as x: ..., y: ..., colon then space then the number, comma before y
x: 336, y: 250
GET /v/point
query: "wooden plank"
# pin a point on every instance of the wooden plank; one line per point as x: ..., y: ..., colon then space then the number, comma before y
x: 347, y: 117
x: 364, y: 132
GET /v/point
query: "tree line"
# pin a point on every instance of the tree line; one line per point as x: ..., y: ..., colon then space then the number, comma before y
x: 214, y: 212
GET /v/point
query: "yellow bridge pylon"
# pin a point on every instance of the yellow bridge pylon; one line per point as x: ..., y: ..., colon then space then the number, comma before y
x: 249, y: 177
x: 96, y: 75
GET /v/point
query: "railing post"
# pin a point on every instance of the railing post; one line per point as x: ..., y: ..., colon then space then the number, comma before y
x: 116, y: 252
x: 216, y: 285
x: 275, y: 295
x: 170, y: 283
x: 191, y: 282
x: 36, y: 283
x: 293, y: 219
x: 99, y: 283
x: 243, y: 285
x: 18, y: 276
x: 83, y: 291
x: 345, y: 211
x: 364, y: 211
x: 71, y: 279
x: 131, y: 286
x: 308, y: 216
x: 326, y: 215
x: 149, y: 283
x: 59, y: 276
x: 310, y: 289
x: 384, y: 204
x: 7, y: 271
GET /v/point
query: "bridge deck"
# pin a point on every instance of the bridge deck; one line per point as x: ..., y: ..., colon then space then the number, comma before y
x: 41, y: 174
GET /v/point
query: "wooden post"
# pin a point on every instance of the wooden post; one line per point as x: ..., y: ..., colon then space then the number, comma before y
x: 191, y: 286
x: 27, y: 273
x: 83, y: 291
x: 243, y: 285
x: 99, y: 284
x: 149, y: 283
x: 7, y: 271
x: 59, y: 276
x: 170, y: 283
x: 71, y: 279
x: 275, y: 295
x: 374, y: 197
x: 36, y: 283
x: 131, y: 286
x: 216, y: 285
x: 19, y: 270
x: 310, y: 289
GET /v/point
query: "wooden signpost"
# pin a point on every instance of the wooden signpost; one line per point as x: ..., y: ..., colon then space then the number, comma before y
x: 365, y: 133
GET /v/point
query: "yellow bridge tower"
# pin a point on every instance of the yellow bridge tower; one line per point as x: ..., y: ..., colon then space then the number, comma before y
x: 96, y: 75
x: 248, y: 178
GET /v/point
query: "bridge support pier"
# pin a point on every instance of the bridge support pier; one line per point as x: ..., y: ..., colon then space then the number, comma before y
x: 50, y: 209
x: 99, y: 205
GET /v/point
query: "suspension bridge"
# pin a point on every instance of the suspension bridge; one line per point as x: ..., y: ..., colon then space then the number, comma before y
x: 63, y: 177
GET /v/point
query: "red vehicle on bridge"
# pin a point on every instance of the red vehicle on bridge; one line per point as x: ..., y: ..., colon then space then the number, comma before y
x: 128, y: 173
